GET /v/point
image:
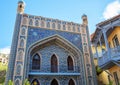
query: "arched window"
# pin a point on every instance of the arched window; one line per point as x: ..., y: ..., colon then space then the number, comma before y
x: 69, y: 29
x: 21, y: 43
x: 23, y: 31
x: 85, y: 48
x: 36, y: 23
x: 48, y: 24
x: 42, y: 24
x: 54, y: 64
x: 24, y: 20
x: 64, y: 28
x: 71, y: 82
x: 78, y: 29
x: 59, y: 26
x: 36, y: 62
x: 53, y: 25
x: 20, y: 55
x: 73, y: 28
x: 18, y: 70
x: 83, y: 30
x: 20, y: 5
x: 70, y: 63
x: 31, y: 22
x: 54, y: 82
x: 17, y: 82
x: 35, y: 82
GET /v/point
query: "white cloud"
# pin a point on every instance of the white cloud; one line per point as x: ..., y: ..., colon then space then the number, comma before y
x: 112, y: 9
x: 5, y: 50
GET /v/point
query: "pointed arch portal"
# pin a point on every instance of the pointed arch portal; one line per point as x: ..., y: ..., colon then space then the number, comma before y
x: 56, y: 39
x: 54, y: 82
x: 71, y: 82
x: 35, y: 82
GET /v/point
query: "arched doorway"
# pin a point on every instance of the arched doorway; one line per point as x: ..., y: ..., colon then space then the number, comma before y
x: 71, y: 82
x: 35, y: 82
x: 54, y: 82
x: 36, y: 62
x: 54, y: 63
x: 70, y: 63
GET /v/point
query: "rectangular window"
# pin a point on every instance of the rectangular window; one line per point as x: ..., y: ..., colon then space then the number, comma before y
x: 116, y: 78
x: 115, y: 41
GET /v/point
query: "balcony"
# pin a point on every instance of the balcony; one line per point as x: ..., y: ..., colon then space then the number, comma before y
x: 104, y: 58
x: 61, y: 70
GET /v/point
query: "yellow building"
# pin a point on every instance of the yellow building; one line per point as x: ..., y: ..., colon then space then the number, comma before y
x: 106, y: 49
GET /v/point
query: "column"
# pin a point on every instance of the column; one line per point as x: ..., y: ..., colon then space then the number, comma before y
x: 100, y: 44
x: 106, y: 43
x: 103, y: 58
x: 96, y: 52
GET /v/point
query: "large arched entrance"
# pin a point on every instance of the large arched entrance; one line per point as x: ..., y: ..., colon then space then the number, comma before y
x: 54, y: 82
x: 54, y: 65
x: 35, y: 82
x: 71, y: 82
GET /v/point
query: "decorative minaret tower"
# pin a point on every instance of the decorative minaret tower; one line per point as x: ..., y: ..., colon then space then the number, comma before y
x: 84, y: 19
x: 16, y: 58
x: 21, y: 6
x: 88, y: 59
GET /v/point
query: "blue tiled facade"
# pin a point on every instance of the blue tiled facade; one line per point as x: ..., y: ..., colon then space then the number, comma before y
x: 63, y: 80
x: 45, y: 76
x: 36, y: 34
x: 44, y: 37
x: 49, y: 51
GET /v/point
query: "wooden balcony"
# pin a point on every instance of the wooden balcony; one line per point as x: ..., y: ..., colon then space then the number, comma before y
x: 106, y: 61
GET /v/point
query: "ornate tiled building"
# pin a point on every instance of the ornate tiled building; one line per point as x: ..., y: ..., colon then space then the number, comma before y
x: 49, y: 51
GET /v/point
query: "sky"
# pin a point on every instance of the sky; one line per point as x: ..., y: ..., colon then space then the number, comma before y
x: 68, y: 10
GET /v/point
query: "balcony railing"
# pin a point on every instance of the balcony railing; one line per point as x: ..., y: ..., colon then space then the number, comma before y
x: 104, y: 58
x: 58, y: 69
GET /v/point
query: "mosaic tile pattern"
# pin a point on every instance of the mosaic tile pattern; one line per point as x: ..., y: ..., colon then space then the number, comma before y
x: 35, y: 34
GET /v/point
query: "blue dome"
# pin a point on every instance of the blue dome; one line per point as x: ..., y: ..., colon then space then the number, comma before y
x: 84, y: 15
x: 21, y: 1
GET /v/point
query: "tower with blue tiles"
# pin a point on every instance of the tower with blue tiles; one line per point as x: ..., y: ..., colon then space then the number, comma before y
x: 50, y: 51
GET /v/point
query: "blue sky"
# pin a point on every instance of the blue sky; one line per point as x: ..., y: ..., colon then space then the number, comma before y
x: 68, y: 10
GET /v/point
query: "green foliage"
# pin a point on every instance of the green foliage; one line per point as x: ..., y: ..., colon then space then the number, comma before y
x: 2, y: 76
x: 2, y: 73
x: 26, y: 82
x: 119, y: 83
x: 98, y: 70
x: 10, y: 82
x: 110, y: 83
x: 3, y: 67
x: 2, y: 80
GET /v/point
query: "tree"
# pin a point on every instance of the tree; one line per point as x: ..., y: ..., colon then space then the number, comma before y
x: 10, y: 82
x: 98, y: 70
x: 2, y: 76
x: 26, y: 82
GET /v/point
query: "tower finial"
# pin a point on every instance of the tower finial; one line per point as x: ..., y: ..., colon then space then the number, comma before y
x: 21, y: 6
x: 84, y: 19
